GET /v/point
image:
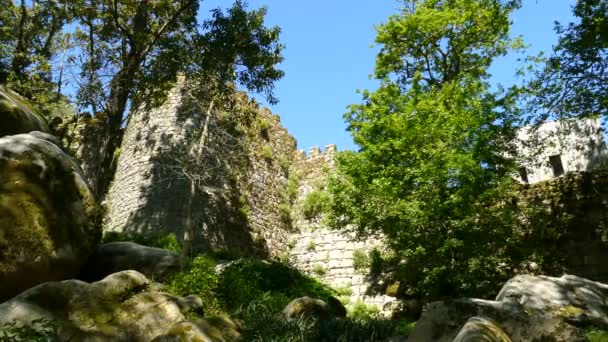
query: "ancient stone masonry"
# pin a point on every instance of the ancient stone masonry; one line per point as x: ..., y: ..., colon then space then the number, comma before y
x: 338, y: 258
x: 247, y: 154
x: 254, y: 198
x: 572, y: 228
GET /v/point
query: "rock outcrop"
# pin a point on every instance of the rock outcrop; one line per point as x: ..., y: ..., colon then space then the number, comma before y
x: 481, y: 329
x: 16, y: 116
x: 577, y: 300
x: 312, y: 307
x: 124, y: 306
x: 442, y: 321
x: 49, y: 220
x: 155, y: 263
x: 527, y: 308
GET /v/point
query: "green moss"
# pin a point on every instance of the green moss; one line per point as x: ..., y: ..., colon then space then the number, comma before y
x: 16, y: 115
x: 39, y: 214
x: 596, y: 335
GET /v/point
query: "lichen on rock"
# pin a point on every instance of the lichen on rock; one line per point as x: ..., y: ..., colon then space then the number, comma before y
x: 16, y: 115
x: 49, y: 219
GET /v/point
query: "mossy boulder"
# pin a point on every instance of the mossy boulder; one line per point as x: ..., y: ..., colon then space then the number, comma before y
x: 442, y: 321
x: 313, y: 307
x: 49, y: 219
x: 210, y: 329
x: 576, y: 299
x: 108, y: 258
x: 124, y: 306
x: 16, y: 115
x: 479, y: 329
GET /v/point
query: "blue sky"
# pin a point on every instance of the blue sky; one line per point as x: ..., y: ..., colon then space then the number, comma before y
x: 328, y: 57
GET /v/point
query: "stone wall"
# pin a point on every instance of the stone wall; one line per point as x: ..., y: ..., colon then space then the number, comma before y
x: 85, y: 137
x: 332, y: 255
x: 243, y: 207
x: 245, y: 164
x: 571, y: 229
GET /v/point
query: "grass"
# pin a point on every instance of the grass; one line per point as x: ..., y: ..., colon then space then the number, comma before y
x: 596, y: 335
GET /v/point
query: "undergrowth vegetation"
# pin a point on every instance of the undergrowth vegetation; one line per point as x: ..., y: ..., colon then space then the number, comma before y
x: 254, y: 292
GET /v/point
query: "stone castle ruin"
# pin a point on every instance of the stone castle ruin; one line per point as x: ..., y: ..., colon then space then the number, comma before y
x: 253, y: 189
x: 243, y: 207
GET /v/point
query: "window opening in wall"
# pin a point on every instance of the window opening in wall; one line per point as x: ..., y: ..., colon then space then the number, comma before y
x: 523, y: 173
x: 556, y: 164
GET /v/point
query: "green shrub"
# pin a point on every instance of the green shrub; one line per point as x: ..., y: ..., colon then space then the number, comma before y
x: 361, y: 261
x: 39, y: 330
x: 405, y: 327
x: 596, y: 335
x: 319, y: 270
x: 260, y: 323
x: 285, y: 210
x: 264, y: 126
x: 315, y: 203
x: 362, y: 311
x: 311, y: 245
x: 199, y: 279
x: 249, y: 279
x: 164, y: 241
x: 376, y: 261
x: 266, y: 152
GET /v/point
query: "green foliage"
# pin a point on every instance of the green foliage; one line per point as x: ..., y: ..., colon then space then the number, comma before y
x: 596, y: 335
x: 344, y: 291
x: 361, y: 261
x: 39, y: 330
x: 247, y: 280
x: 406, y: 328
x: 315, y: 203
x: 264, y: 127
x: 262, y: 324
x: 266, y: 152
x: 288, y: 197
x: 431, y: 162
x: 567, y: 83
x: 30, y: 38
x: 363, y: 312
x: 319, y: 270
x: 312, y: 245
x: 200, y: 279
x: 164, y: 241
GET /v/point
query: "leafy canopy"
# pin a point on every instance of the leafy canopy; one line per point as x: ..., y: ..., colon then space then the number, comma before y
x: 573, y: 81
x: 430, y: 141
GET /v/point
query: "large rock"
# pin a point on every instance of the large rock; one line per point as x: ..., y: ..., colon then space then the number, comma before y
x: 577, y: 300
x: 312, y: 307
x: 114, y: 257
x: 124, y: 306
x: 16, y: 116
x: 213, y: 329
x: 49, y: 219
x: 479, y: 329
x: 442, y: 321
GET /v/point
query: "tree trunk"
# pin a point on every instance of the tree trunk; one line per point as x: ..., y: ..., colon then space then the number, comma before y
x: 189, y: 222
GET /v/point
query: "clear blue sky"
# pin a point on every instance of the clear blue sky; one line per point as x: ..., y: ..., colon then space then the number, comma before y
x: 328, y: 57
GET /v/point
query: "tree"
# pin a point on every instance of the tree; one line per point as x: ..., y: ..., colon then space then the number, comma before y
x: 28, y: 43
x: 236, y: 49
x: 431, y: 139
x: 573, y: 81
x: 132, y: 52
